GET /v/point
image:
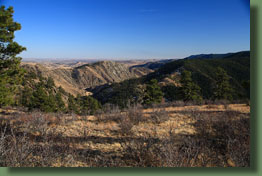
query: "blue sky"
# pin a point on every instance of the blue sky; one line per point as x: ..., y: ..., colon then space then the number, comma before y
x: 126, y: 29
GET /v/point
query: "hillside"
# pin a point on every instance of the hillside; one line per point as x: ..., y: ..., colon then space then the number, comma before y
x: 76, y: 79
x: 215, y: 56
x: 104, y: 72
x: 237, y: 66
x: 153, y: 65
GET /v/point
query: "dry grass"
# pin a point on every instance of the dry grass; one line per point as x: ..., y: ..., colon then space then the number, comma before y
x: 175, y: 136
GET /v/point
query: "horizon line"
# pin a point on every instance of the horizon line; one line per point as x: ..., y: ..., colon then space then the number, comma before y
x: 39, y: 58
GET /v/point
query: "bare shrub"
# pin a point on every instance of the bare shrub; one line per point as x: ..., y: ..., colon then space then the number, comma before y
x: 109, y: 113
x: 159, y: 115
x: 226, y: 136
x: 125, y: 125
x: 15, y: 149
x: 178, y: 103
x: 110, y: 108
x: 222, y: 139
x: 142, y: 153
x: 135, y: 114
x: 105, y: 117
x: 221, y: 102
x: 38, y: 123
x: 28, y: 144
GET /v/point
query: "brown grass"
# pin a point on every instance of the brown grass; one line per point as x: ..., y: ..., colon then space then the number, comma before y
x: 175, y: 136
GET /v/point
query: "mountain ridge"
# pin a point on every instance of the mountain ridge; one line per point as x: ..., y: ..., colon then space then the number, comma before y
x: 211, y: 55
x: 76, y: 80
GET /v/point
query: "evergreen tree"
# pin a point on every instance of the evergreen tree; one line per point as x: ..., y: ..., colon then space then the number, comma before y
x: 50, y: 83
x: 51, y: 104
x: 39, y: 99
x: 222, y: 88
x: 42, y: 100
x: 89, y: 105
x: 72, y: 104
x: 246, y: 86
x: 59, y: 102
x: 153, y: 93
x: 189, y: 90
x: 61, y: 90
x: 171, y: 92
x: 10, y: 72
x: 26, y: 96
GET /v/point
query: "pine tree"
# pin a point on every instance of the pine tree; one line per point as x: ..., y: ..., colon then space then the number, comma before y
x: 50, y: 83
x: 246, y: 86
x: 39, y: 99
x: 189, y: 90
x: 26, y: 96
x: 61, y: 90
x: 59, y: 102
x: 171, y: 92
x: 10, y: 72
x: 72, y: 104
x: 89, y: 105
x: 222, y: 88
x: 43, y: 100
x: 153, y: 93
x: 50, y: 105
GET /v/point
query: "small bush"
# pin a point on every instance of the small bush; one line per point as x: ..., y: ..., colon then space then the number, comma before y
x: 135, y: 114
x: 159, y: 115
x: 125, y: 125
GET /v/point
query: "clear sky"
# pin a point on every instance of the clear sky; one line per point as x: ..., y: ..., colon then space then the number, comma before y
x: 125, y: 29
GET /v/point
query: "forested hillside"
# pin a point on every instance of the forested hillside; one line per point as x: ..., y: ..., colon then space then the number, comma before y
x: 236, y: 65
x: 203, y: 73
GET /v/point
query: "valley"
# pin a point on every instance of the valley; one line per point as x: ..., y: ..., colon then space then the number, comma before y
x: 75, y: 78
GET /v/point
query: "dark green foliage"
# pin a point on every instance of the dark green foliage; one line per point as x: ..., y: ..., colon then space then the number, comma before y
x: 222, y: 89
x: 59, y: 102
x: 83, y: 105
x: 246, y: 85
x: 153, y: 93
x: 72, y: 104
x: 237, y: 66
x: 50, y: 83
x: 26, y: 96
x: 42, y: 95
x: 88, y: 105
x: 10, y: 72
x: 41, y: 100
x: 62, y: 91
x: 51, y: 105
x: 189, y: 90
x: 171, y: 92
x: 122, y: 94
